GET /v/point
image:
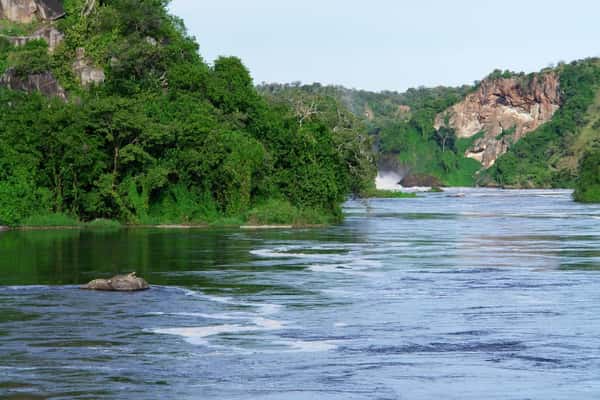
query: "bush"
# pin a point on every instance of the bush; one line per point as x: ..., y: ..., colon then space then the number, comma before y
x: 53, y: 219
x: 587, y: 189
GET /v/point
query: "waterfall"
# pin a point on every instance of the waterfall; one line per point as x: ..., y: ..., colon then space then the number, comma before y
x: 388, y: 180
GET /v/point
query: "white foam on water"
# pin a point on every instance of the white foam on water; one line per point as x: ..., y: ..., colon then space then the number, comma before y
x: 314, y: 346
x: 30, y: 287
x: 323, y: 268
x: 388, y: 181
x: 268, y: 324
x: 198, y: 335
x: 230, y: 316
x: 340, y: 325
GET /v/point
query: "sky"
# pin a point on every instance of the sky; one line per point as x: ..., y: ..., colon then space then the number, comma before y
x: 391, y: 45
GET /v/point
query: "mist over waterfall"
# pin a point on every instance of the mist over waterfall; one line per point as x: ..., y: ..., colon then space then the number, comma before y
x: 388, y: 180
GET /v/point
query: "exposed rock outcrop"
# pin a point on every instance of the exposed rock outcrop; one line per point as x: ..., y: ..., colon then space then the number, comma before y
x: 26, y: 11
x: 85, y: 71
x: 420, y: 180
x: 44, y: 83
x: 50, y: 34
x: 505, y: 109
x: 118, y: 283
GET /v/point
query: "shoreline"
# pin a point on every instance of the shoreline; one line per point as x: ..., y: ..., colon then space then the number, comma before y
x: 4, y: 228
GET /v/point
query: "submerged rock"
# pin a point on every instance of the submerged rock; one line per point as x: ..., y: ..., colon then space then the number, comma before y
x: 118, y: 283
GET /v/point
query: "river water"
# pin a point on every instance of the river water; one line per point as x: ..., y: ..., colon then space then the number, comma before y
x: 494, y: 295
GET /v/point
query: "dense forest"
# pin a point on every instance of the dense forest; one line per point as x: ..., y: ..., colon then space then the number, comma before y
x: 166, y: 138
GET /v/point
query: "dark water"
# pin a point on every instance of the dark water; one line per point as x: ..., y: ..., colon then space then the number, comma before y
x: 492, y: 296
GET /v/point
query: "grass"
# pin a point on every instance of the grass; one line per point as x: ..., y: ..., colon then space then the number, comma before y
x: 387, y: 194
x: 102, y: 223
x: 51, y: 220
x: 269, y: 212
x: 281, y: 212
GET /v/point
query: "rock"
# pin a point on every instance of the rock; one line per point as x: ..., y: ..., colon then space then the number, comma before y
x: 44, y: 83
x: 26, y: 11
x: 4, y: 228
x: 420, y: 180
x: 118, y: 283
x: 50, y: 34
x: 88, y: 74
x: 505, y: 109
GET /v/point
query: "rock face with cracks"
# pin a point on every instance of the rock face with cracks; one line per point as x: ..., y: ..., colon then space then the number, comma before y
x: 505, y: 110
x: 27, y: 11
x: 118, y: 283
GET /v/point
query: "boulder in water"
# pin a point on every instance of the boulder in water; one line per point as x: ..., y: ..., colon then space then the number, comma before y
x: 118, y: 283
x: 420, y: 180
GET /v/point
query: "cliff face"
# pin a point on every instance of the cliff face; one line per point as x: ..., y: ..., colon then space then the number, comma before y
x: 26, y: 11
x: 505, y: 109
x: 44, y: 82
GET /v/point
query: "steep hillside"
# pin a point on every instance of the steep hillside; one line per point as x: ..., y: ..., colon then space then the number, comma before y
x: 505, y: 110
x: 549, y: 156
x: 108, y: 111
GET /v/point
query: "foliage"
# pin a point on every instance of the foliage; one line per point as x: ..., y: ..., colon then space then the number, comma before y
x: 535, y: 160
x: 386, y: 194
x: 101, y: 223
x: 53, y: 219
x: 401, y: 123
x: 167, y: 138
x: 32, y: 58
x: 281, y: 212
x: 587, y: 188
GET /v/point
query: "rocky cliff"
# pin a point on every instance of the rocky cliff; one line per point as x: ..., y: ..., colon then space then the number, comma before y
x: 26, y: 11
x: 504, y: 110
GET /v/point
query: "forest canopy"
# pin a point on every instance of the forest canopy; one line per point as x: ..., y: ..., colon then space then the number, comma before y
x: 166, y: 138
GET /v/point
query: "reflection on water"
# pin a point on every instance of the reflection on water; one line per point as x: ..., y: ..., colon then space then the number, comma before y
x: 493, y: 295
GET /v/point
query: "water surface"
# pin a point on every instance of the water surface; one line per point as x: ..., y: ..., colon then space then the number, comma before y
x: 495, y: 295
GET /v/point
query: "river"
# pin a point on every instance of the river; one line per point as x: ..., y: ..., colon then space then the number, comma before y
x: 494, y: 295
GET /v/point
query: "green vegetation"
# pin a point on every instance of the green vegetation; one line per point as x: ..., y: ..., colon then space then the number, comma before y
x: 55, y: 219
x: 387, y: 194
x: 167, y: 138
x: 544, y: 158
x: 281, y: 212
x: 402, y: 124
x: 101, y: 223
x: 587, y: 188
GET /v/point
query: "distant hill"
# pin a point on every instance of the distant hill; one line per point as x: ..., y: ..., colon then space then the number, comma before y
x: 510, y: 129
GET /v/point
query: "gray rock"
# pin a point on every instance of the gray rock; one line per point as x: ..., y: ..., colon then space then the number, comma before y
x: 50, y: 34
x: 118, y: 283
x: 87, y: 73
x: 26, y: 11
x: 44, y: 83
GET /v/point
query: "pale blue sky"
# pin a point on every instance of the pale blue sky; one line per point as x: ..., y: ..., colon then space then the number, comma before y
x: 393, y: 45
